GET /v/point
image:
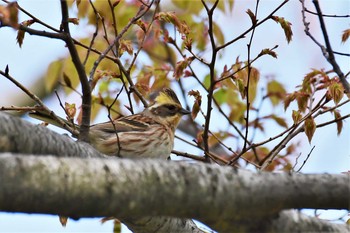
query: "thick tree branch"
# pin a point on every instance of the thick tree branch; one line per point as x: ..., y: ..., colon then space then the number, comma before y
x: 73, y: 186
x: 19, y: 136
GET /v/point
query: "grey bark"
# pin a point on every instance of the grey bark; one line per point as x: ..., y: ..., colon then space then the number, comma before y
x: 138, y: 190
x: 217, y: 196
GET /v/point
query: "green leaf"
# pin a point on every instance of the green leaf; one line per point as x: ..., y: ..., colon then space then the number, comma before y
x: 206, y: 81
x: 336, y: 91
x: 53, y: 74
x: 275, y: 92
x: 218, y: 34
x: 280, y: 121
x: 221, y: 96
x: 296, y: 115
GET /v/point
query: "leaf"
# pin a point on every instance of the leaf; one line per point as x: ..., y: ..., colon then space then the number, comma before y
x: 67, y: 80
x: 218, y: 34
x: 289, y: 98
x: 302, y: 100
x: 252, y: 17
x: 142, y: 24
x: 221, y: 96
x: 336, y: 91
x: 70, y: 109
x: 207, y: 81
x: 172, y: 18
x: 63, y: 220
x: 125, y: 45
x: 75, y: 21
x: 296, y: 115
x: 286, y: 26
x: 181, y: 66
x: 309, y: 127
x: 275, y: 92
x: 268, y: 52
x: 197, y: 103
x: 117, y: 227
x: 345, y: 36
x: 241, y: 87
x: 253, y: 83
x: 21, y: 33
x: 280, y: 121
x: 53, y: 75
x: 339, y: 122
x: 9, y: 15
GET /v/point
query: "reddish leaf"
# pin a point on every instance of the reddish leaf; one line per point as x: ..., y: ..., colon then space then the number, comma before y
x: 9, y: 15
x: 286, y: 26
x: 268, y: 52
x: 197, y: 103
x: 171, y: 17
x: 251, y: 16
x: 75, y: 21
x: 345, y: 36
x: 21, y: 33
x: 181, y: 66
x: 339, y: 123
x: 125, y: 45
x: 70, y: 109
x: 289, y: 98
x: 309, y: 127
x: 302, y: 100
x: 63, y: 220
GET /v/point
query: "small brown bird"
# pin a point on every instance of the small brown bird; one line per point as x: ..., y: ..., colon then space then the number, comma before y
x: 149, y: 134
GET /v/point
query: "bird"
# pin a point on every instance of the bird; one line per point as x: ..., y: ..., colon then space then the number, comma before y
x: 148, y: 134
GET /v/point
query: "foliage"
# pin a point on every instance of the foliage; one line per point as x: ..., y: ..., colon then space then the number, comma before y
x: 139, y: 47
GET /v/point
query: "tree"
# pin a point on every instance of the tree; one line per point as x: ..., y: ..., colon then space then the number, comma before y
x: 137, y: 47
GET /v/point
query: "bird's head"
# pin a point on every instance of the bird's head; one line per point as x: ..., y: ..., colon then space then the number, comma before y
x: 166, y: 108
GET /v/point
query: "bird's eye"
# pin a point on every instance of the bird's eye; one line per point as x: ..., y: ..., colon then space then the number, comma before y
x: 171, y: 107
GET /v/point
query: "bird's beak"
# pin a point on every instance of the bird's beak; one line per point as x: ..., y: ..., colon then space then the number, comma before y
x: 184, y: 111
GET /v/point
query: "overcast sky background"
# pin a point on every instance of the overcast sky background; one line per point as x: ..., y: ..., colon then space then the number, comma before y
x: 331, y: 154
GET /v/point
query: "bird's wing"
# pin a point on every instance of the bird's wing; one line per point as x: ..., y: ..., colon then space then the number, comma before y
x: 137, y: 122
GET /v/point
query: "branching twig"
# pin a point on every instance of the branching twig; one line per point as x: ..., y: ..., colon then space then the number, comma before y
x: 327, y: 51
x: 210, y: 13
x: 85, y: 86
x: 41, y: 104
x: 248, y: 81
x: 241, y: 36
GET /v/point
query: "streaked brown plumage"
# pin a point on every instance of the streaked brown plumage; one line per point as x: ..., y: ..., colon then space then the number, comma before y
x: 149, y: 134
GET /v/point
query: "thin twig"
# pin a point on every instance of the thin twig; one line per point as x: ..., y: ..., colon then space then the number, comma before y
x: 212, y: 73
x: 38, y: 101
x: 94, y: 35
x: 307, y: 158
x: 241, y: 36
x: 248, y: 81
